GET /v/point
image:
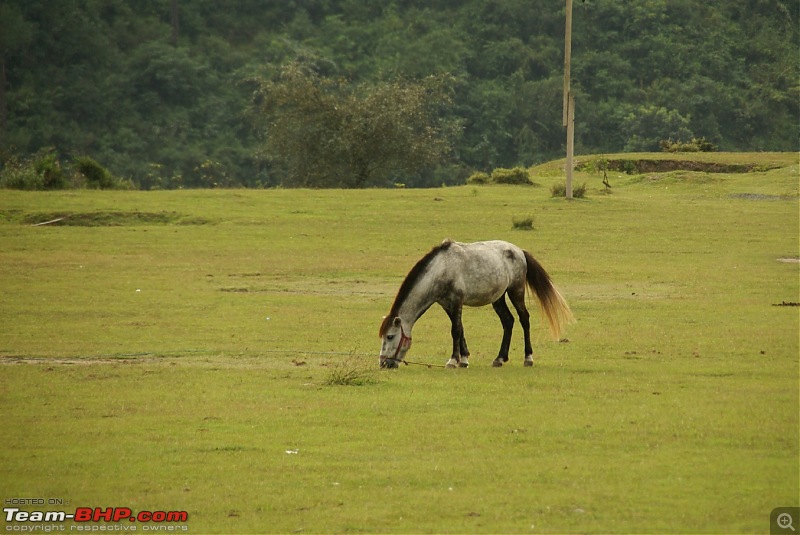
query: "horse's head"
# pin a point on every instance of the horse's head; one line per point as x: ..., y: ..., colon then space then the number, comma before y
x: 395, y: 343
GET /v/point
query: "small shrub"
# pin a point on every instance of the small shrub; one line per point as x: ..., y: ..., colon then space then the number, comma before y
x: 99, y: 177
x: 478, y: 178
x: 155, y: 179
x: 559, y: 189
x: 19, y: 174
x: 630, y: 168
x: 350, y: 372
x: 95, y: 174
x: 40, y: 171
x: 212, y: 174
x: 48, y: 167
x: 522, y: 223
x: 694, y: 145
x: 516, y: 175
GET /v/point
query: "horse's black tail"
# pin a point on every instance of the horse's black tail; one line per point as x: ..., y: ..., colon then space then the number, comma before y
x: 554, y: 306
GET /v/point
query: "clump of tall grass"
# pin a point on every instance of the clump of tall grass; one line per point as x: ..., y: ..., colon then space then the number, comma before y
x: 560, y: 190
x: 522, y: 223
x: 351, y: 371
x: 514, y: 176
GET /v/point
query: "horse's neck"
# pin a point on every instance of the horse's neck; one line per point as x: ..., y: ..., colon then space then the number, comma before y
x: 417, y: 302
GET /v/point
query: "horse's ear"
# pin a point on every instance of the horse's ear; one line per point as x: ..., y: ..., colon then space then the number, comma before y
x: 396, y: 322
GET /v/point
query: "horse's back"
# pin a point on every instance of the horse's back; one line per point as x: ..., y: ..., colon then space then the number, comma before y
x: 483, y: 271
x: 494, y: 252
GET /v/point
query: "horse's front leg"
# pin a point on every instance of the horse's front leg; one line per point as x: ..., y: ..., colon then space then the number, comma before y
x: 464, y: 363
x: 460, y: 355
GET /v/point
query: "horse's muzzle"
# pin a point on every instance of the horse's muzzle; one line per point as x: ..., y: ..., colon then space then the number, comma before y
x: 388, y: 362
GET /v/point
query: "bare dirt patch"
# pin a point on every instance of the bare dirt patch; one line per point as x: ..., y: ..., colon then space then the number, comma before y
x: 755, y: 197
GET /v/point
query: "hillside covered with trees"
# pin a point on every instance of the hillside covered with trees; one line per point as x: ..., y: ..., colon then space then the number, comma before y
x: 179, y: 93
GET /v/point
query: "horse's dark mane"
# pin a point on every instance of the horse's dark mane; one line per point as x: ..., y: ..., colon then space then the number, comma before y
x: 411, y: 279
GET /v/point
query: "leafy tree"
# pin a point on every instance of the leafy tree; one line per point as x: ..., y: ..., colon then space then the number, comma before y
x: 647, y: 126
x: 324, y: 132
x: 16, y: 34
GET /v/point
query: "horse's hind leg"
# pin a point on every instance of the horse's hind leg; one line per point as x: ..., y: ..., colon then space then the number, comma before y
x: 517, y: 297
x: 507, y: 320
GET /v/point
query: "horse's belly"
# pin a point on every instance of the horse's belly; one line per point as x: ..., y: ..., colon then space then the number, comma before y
x: 478, y: 297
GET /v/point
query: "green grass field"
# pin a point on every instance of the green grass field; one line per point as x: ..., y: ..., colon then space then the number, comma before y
x: 180, y: 350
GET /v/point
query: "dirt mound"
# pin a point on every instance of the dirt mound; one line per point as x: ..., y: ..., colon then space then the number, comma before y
x: 641, y: 166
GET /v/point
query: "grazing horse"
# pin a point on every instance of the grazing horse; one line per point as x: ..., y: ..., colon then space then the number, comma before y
x: 454, y: 274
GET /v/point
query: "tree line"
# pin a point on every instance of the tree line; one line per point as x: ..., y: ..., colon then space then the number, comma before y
x: 356, y: 93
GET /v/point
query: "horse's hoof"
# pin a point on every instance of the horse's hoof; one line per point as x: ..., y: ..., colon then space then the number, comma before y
x: 496, y: 363
x: 463, y: 364
x: 451, y: 364
x: 528, y: 363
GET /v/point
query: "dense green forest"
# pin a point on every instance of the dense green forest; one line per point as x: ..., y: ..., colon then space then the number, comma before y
x: 162, y: 91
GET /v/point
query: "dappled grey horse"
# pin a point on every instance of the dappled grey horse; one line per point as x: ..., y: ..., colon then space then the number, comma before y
x: 454, y: 274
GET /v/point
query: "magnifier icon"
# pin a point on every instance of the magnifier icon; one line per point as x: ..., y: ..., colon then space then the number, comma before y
x: 785, y: 521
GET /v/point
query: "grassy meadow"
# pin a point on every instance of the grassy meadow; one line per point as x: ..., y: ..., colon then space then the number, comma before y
x: 216, y: 352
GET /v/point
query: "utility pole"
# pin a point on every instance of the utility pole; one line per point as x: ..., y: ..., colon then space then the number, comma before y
x: 568, y: 117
